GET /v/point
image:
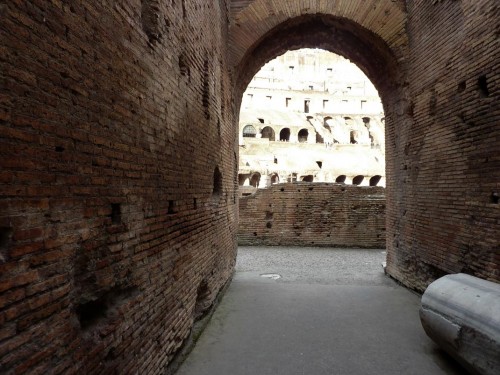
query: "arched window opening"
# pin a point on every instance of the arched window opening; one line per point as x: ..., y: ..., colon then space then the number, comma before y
x: 303, y: 134
x: 275, y: 179
x: 255, y: 180
x: 354, y: 137
x: 375, y: 180
x: 358, y: 180
x: 285, y: 135
x: 341, y: 179
x: 268, y: 133
x: 366, y: 120
x: 249, y: 131
x: 308, y: 178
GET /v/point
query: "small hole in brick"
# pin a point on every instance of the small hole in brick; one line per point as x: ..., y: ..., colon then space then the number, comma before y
x: 59, y: 149
x: 171, y: 207
x: 269, y: 225
x: 482, y: 84
x: 282, y: 189
x: 328, y: 235
x: 461, y: 86
x: 116, y: 214
x: 195, y: 203
x: 217, y: 190
x: 495, y: 198
x: 255, y: 233
x: 5, y: 237
x: 202, y: 299
x: 298, y: 190
x: 311, y: 189
x: 91, y: 312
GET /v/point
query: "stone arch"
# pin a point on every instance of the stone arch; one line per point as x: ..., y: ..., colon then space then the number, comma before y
x: 375, y: 180
x: 275, y: 179
x: 285, y: 134
x: 255, y: 179
x: 376, y: 41
x: 249, y: 131
x: 303, y: 135
x: 268, y: 132
x: 341, y: 179
x: 308, y: 178
x: 358, y: 180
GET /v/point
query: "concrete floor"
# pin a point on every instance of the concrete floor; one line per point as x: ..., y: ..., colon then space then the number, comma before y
x: 332, y: 311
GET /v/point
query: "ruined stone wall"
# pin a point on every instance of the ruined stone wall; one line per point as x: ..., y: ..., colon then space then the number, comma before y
x: 117, y: 175
x: 444, y: 174
x: 314, y: 214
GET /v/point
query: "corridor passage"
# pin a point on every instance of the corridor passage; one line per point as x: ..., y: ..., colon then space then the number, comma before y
x: 331, y: 311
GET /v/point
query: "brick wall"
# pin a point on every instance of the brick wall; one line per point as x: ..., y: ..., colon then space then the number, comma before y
x: 445, y: 170
x: 118, y: 158
x: 118, y: 210
x: 314, y: 214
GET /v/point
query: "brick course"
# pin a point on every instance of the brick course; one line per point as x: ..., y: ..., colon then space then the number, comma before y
x: 313, y: 214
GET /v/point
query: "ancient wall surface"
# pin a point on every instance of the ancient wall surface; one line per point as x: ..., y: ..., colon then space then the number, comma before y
x: 314, y: 214
x: 117, y: 175
x: 436, y: 67
x: 445, y: 170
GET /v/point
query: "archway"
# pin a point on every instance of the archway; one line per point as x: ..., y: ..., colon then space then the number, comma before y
x: 358, y: 180
x: 303, y: 134
x: 372, y: 50
x: 249, y: 131
x: 268, y: 133
x: 285, y: 134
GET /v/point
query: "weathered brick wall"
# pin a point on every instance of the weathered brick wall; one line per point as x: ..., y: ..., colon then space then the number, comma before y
x: 314, y: 214
x: 118, y: 211
x: 445, y: 170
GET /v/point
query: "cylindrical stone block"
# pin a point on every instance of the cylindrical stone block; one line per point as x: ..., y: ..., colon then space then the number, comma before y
x: 461, y: 313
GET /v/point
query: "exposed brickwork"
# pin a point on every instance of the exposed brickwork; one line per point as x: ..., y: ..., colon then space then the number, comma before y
x: 314, y: 214
x: 118, y: 159
x: 446, y: 162
x: 437, y: 73
x: 112, y: 236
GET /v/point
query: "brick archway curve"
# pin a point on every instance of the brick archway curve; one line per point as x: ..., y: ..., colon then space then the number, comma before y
x: 384, y: 65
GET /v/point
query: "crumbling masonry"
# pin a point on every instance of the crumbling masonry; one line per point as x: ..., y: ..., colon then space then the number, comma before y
x: 118, y: 167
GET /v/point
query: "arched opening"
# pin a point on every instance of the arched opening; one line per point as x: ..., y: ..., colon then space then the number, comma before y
x: 339, y: 35
x: 255, y: 180
x: 303, y: 134
x: 249, y: 131
x: 275, y: 179
x: 375, y: 180
x: 358, y: 180
x: 353, y: 137
x: 308, y: 178
x: 285, y: 134
x: 341, y: 179
x: 268, y: 133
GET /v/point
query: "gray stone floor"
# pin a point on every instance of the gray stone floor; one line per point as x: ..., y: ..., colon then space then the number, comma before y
x: 332, y: 311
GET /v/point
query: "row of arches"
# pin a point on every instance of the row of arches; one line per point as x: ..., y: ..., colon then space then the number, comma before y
x: 327, y: 130
x: 255, y: 179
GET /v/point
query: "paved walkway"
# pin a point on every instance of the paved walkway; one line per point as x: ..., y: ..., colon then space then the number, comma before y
x: 332, y: 311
